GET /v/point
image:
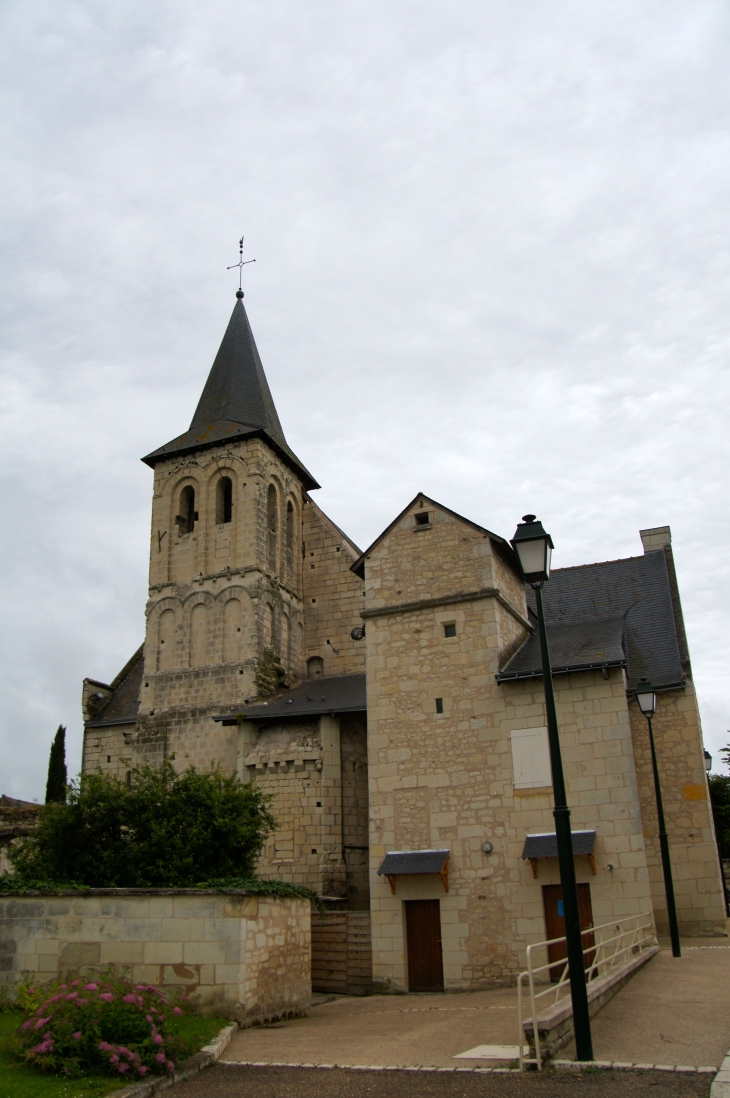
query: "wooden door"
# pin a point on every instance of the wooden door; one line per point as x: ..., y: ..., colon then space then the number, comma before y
x: 423, y: 936
x: 552, y: 899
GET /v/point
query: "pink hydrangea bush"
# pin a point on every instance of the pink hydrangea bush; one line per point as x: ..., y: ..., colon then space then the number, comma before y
x: 107, y: 1024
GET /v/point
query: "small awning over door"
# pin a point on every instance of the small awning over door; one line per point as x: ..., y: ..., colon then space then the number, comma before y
x: 545, y: 845
x: 400, y: 863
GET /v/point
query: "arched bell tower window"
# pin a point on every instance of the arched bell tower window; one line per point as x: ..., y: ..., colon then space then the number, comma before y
x: 224, y: 500
x: 272, y: 521
x: 188, y: 515
x: 289, y: 536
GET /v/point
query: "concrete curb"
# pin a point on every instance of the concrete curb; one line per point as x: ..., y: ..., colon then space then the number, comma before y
x: 203, y: 1059
x: 558, y: 1065
x: 617, y: 1065
x: 721, y: 1083
x: 368, y: 1067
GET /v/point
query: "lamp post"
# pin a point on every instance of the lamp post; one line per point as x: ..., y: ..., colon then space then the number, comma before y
x: 533, y: 548
x: 646, y: 699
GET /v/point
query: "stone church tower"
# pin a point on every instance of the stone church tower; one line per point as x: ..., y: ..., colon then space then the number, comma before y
x: 238, y: 551
x: 225, y: 590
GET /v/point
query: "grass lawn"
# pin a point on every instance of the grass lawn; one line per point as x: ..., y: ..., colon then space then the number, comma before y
x: 19, y: 1081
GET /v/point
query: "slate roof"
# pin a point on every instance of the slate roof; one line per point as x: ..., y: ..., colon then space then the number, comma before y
x: 334, y: 694
x: 123, y: 706
x: 584, y: 607
x: 399, y: 862
x: 546, y: 845
x: 236, y: 402
x: 577, y: 646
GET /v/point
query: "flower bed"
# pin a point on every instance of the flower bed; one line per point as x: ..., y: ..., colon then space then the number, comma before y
x: 109, y: 1024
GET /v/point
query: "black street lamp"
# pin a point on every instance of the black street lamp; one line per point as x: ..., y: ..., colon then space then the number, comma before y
x: 533, y: 548
x: 646, y: 698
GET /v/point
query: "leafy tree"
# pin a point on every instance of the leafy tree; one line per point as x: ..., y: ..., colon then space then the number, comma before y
x: 720, y: 799
x: 57, y: 776
x: 159, y: 829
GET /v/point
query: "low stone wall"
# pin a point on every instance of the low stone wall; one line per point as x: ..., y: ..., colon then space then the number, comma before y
x: 245, y: 957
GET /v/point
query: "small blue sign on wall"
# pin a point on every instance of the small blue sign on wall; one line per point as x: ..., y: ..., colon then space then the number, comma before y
x: 561, y: 913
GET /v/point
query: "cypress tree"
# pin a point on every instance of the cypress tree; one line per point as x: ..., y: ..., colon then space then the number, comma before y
x: 57, y: 777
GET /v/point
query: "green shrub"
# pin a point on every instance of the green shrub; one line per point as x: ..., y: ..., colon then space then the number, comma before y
x: 108, y: 1025
x: 162, y: 829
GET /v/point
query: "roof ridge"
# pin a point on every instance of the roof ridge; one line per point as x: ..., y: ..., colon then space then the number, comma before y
x: 596, y: 563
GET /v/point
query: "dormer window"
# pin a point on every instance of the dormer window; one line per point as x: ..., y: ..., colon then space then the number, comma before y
x: 188, y: 515
x: 422, y: 519
x: 224, y: 500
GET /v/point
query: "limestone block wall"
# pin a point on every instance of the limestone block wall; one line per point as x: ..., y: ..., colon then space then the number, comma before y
x: 221, y: 592
x: 687, y: 811
x: 354, y: 764
x: 447, y: 780
x: 416, y: 562
x: 333, y: 595
x: 316, y: 773
x: 108, y: 749
x: 245, y: 956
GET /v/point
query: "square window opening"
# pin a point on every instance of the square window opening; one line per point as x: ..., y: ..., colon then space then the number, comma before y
x: 421, y: 518
x: 450, y: 629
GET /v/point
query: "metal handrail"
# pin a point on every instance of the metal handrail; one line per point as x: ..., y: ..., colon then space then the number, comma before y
x: 633, y: 935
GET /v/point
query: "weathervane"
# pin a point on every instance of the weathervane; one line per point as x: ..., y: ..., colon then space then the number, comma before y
x: 241, y: 264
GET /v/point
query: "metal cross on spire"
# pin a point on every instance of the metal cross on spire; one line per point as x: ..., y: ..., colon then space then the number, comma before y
x: 241, y: 264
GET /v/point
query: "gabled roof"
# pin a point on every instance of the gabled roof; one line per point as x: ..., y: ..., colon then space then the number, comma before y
x: 236, y: 402
x: 612, y: 613
x: 333, y: 694
x: 123, y: 705
x: 359, y: 566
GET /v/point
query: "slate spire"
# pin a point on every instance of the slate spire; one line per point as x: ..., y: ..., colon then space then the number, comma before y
x: 236, y: 401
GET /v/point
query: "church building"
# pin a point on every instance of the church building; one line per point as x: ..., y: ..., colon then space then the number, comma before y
x: 391, y: 700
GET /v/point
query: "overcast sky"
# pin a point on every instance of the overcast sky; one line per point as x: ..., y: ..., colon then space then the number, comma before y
x: 492, y: 266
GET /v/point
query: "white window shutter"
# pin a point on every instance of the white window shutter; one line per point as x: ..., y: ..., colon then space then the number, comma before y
x: 531, y: 758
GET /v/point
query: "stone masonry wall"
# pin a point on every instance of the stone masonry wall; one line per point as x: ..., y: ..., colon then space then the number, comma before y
x: 446, y: 779
x: 687, y: 811
x: 243, y: 956
x: 405, y: 568
x: 221, y: 594
x: 108, y: 749
x: 354, y: 760
x: 218, y: 597
x: 333, y: 595
x: 300, y: 765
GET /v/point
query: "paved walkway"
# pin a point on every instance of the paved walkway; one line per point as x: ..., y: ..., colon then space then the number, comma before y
x: 402, y: 1030
x: 674, y: 1011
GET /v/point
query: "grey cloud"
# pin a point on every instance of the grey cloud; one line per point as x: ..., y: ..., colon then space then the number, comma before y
x: 492, y: 264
